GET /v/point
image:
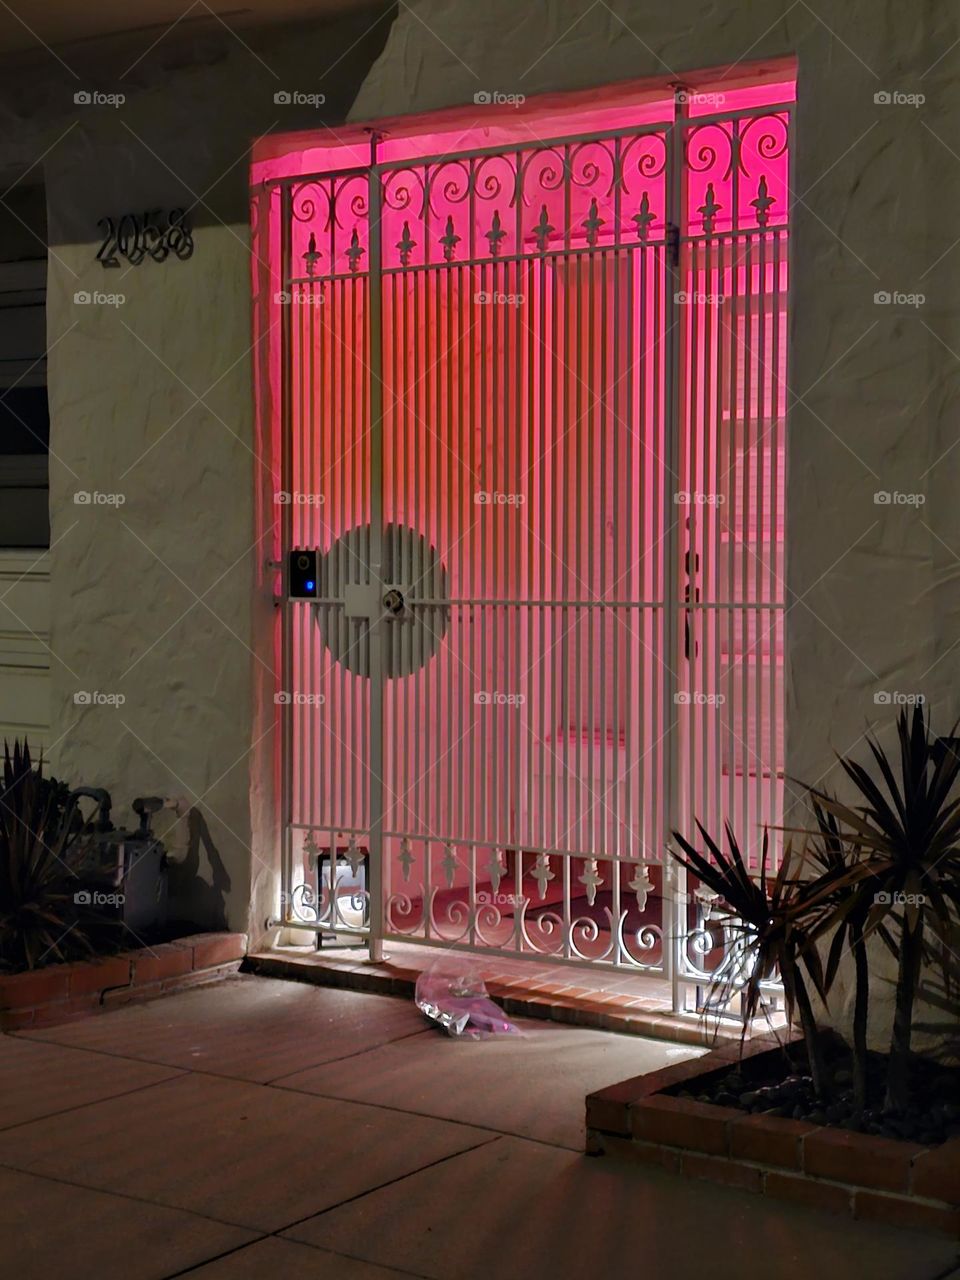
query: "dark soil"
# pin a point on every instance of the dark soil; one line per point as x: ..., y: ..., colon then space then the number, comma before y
x: 777, y: 1084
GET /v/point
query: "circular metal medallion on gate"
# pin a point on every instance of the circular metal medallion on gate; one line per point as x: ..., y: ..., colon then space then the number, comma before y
x: 416, y: 629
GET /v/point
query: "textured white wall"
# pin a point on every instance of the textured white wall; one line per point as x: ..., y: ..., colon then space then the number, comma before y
x: 157, y: 600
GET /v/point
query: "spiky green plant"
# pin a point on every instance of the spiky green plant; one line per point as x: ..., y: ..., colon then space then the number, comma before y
x: 39, y: 920
x: 905, y: 831
x: 771, y: 921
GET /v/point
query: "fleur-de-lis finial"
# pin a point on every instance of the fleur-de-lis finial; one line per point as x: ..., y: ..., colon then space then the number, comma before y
x: 763, y: 202
x: 592, y: 223
x: 355, y: 252
x: 709, y: 209
x: 495, y: 234
x: 449, y: 239
x: 543, y: 229
x: 311, y: 256
x: 406, y: 244
x: 644, y: 217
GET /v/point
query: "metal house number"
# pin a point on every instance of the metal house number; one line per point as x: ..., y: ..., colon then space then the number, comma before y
x: 137, y: 236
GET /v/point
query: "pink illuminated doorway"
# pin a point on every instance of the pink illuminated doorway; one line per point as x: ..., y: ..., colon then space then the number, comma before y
x: 526, y: 391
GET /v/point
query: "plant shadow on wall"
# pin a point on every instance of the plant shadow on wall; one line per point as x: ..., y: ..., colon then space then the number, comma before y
x: 44, y: 845
x: 880, y: 871
x: 196, y: 903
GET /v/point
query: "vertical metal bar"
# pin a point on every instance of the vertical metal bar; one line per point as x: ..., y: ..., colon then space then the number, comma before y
x: 674, y: 882
x: 377, y: 637
x: 286, y: 542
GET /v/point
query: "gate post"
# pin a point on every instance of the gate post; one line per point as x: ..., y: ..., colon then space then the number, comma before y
x: 378, y: 632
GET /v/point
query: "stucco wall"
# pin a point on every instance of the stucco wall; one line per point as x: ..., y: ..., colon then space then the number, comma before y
x: 157, y: 599
x: 873, y: 590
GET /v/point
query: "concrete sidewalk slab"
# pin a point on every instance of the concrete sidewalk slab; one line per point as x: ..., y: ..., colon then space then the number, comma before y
x: 532, y: 1085
x: 246, y: 1027
x: 42, y: 1079
x: 49, y: 1229
x: 523, y: 1211
x: 273, y: 1257
x: 242, y: 1153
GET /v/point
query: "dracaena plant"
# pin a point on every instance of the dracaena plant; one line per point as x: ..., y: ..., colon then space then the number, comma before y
x: 38, y: 842
x: 903, y: 829
x: 844, y: 922
x: 770, y: 920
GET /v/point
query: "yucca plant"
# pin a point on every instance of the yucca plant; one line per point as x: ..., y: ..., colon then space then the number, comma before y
x: 845, y: 922
x: 905, y: 832
x: 38, y: 843
x: 771, y: 921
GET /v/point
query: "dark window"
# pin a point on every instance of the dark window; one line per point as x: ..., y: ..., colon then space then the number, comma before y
x: 24, y: 416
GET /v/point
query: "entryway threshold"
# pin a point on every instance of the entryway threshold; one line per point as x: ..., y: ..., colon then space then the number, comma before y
x: 632, y: 1004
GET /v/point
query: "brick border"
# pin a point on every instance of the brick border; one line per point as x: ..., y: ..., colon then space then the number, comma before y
x: 836, y: 1170
x: 63, y: 992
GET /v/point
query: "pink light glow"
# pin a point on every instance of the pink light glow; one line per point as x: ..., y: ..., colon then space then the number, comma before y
x: 560, y: 398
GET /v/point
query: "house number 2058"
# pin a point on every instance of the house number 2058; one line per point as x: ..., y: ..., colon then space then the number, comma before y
x: 137, y: 236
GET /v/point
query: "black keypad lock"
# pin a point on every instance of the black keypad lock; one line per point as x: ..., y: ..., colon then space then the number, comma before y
x: 302, y: 575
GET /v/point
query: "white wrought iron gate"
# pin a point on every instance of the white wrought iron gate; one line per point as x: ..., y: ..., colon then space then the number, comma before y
x: 532, y: 424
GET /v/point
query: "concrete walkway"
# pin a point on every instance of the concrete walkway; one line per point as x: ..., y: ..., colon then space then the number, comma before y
x: 264, y: 1128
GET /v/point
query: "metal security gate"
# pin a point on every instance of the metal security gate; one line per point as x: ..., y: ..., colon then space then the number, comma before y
x: 531, y: 423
